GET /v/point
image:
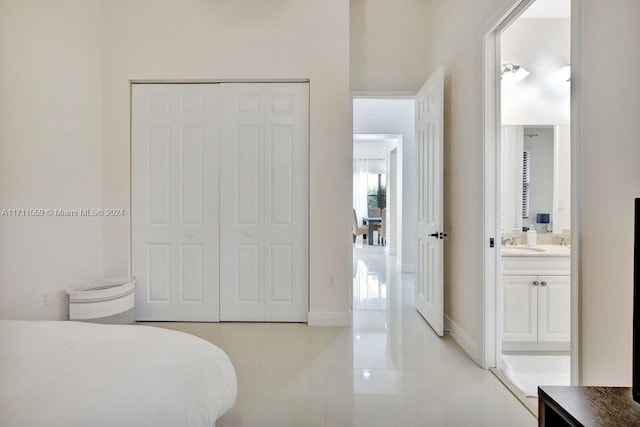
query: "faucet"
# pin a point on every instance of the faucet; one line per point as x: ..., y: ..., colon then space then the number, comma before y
x: 563, y: 240
x: 511, y: 240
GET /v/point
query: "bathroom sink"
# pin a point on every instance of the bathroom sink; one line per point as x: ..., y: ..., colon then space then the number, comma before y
x: 521, y: 250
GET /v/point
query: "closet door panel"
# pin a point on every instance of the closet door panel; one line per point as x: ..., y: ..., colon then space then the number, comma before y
x: 286, y: 223
x: 264, y: 175
x: 242, y: 204
x: 174, y: 201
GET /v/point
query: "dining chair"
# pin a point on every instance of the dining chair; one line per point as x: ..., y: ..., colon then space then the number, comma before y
x: 358, y: 230
x: 382, y: 231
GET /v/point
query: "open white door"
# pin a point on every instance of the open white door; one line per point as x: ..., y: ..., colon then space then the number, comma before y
x: 430, y: 147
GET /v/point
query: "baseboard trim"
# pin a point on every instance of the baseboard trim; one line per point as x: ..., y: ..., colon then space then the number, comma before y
x: 319, y: 318
x: 526, y: 402
x: 408, y: 268
x: 463, y: 339
x: 533, y: 347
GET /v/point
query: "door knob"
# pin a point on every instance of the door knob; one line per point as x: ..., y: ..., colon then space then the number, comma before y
x: 536, y: 283
x: 438, y: 235
x: 543, y: 283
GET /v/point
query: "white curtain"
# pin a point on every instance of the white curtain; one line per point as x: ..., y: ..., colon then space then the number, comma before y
x: 360, y: 177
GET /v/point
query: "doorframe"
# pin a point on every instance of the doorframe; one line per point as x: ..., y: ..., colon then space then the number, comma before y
x: 491, y: 164
x: 391, y: 247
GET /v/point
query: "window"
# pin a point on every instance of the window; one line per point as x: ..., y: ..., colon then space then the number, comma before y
x: 377, y: 191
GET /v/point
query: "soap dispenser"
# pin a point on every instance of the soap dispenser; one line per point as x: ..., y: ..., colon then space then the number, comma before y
x: 531, y: 237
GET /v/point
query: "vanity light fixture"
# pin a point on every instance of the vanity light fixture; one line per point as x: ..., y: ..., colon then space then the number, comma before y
x: 512, y: 73
x: 564, y: 73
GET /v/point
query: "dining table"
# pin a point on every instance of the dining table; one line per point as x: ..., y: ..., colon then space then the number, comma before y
x: 370, y: 221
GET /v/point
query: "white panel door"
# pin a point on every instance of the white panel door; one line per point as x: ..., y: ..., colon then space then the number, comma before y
x: 264, y: 226
x: 174, y: 201
x: 519, y: 308
x: 430, y: 147
x: 554, y: 308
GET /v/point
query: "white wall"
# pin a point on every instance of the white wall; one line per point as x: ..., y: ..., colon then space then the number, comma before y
x: 611, y: 180
x: 50, y: 151
x: 251, y: 39
x: 376, y: 149
x: 541, y: 46
x: 395, y: 116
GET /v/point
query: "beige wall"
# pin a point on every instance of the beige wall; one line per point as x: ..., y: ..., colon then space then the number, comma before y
x: 611, y: 179
x: 611, y: 176
x: 64, y: 81
x: 64, y: 125
x: 50, y: 151
x: 249, y: 39
x: 456, y: 43
x: 389, y: 45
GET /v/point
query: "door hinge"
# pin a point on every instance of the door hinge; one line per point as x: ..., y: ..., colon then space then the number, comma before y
x: 492, y: 242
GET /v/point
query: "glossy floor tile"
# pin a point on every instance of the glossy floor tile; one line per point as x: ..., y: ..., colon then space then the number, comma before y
x: 388, y: 369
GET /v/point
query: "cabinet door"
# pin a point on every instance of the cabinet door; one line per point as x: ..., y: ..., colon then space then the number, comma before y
x: 519, y: 309
x: 554, y: 309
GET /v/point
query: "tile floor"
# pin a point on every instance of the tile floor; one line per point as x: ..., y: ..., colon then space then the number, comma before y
x: 389, y: 369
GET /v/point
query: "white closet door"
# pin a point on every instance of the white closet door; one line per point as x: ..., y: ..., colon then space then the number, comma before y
x: 175, y: 201
x: 264, y: 142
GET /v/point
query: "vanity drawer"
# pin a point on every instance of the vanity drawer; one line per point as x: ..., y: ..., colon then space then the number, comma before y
x: 550, y: 266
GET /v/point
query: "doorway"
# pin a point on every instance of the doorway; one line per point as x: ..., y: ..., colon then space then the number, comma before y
x: 384, y: 128
x: 375, y: 189
x: 530, y: 290
x: 420, y: 121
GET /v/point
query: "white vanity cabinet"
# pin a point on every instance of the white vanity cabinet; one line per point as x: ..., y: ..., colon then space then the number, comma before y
x: 535, y: 303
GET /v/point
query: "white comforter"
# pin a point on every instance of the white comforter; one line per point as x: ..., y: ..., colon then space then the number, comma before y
x: 72, y: 374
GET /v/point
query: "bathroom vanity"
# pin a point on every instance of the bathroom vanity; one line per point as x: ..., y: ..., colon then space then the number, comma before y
x: 536, y: 297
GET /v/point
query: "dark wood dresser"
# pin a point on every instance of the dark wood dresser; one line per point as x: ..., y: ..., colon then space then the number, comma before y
x: 560, y: 406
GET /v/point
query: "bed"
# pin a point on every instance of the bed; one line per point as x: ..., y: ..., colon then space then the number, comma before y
x: 76, y: 374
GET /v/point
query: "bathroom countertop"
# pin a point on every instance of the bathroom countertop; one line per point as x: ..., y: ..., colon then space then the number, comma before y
x: 535, y: 251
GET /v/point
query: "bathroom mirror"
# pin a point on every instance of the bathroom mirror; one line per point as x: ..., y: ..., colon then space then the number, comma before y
x: 535, y: 168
